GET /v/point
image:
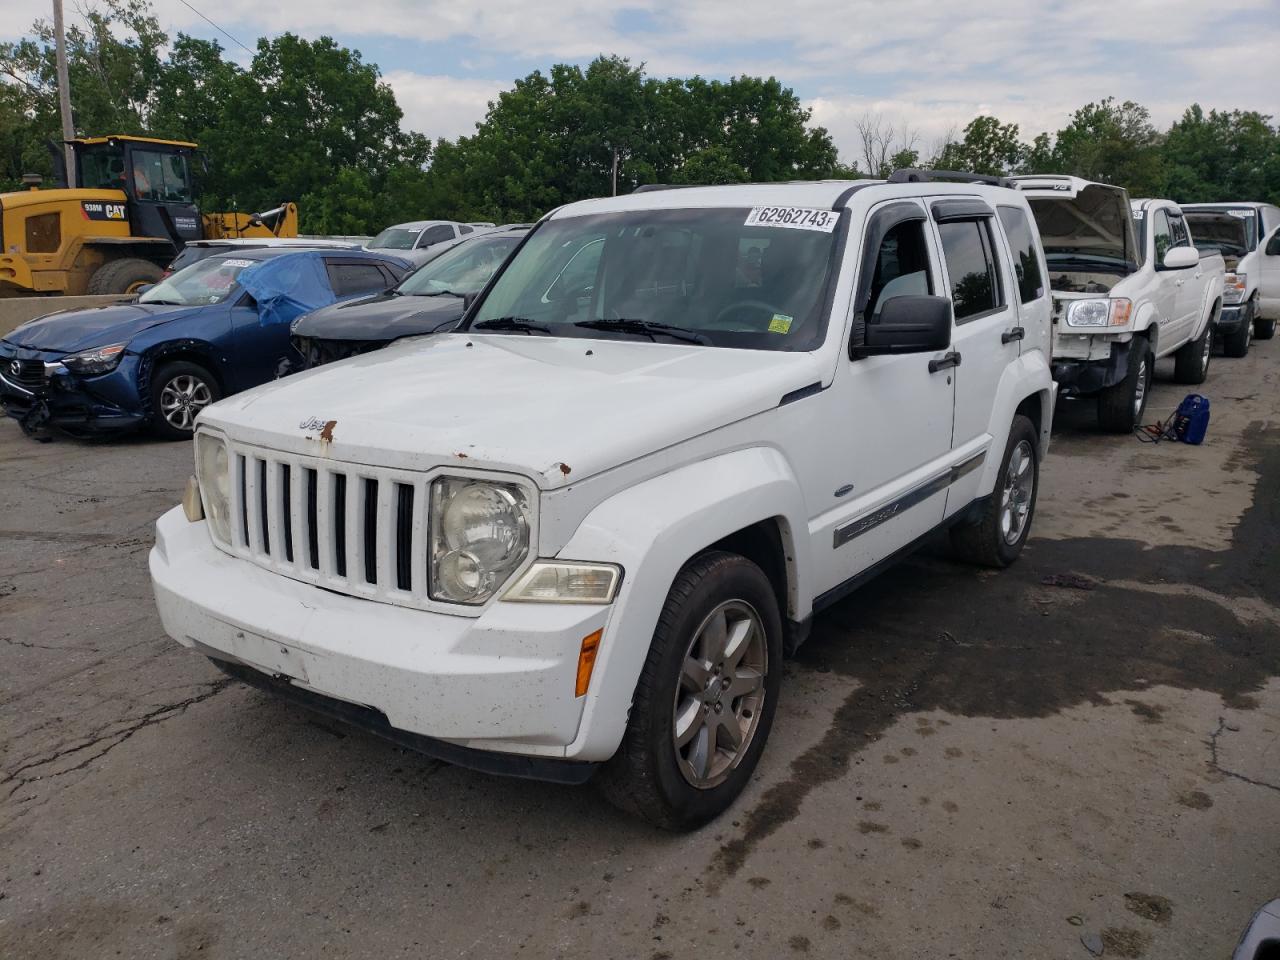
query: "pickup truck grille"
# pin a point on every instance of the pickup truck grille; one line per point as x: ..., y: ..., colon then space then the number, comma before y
x: 347, y: 527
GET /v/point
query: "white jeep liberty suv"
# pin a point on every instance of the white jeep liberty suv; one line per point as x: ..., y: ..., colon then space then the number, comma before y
x: 577, y: 536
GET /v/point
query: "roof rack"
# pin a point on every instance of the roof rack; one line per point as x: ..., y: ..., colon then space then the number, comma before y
x: 911, y: 175
x: 652, y: 187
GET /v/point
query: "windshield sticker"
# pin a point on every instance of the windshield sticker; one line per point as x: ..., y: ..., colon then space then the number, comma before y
x: 1139, y: 214
x: 793, y: 218
x: 1242, y: 214
x: 780, y: 323
x: 237, y: 263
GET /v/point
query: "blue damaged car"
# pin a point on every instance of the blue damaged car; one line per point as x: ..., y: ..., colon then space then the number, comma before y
x: 214, y: 328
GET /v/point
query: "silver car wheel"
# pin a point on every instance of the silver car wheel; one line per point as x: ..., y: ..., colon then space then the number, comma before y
x: 719, y: 699
x: 182, y: 398
x: 1016, y: 493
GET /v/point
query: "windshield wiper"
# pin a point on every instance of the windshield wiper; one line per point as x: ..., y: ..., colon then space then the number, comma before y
x: 518, y: 324
x: 649, y: 327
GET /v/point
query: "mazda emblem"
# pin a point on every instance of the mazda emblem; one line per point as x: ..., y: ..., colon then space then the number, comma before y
x: 15, y: 367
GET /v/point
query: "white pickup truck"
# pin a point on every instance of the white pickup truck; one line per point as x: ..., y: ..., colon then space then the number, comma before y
x: 581, y: 531
x: 1122, y: 297
x: 1248, y: 237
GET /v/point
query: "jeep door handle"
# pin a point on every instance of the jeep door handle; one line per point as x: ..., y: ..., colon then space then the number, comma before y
x: 1017, y: 333
x: 951, y: 359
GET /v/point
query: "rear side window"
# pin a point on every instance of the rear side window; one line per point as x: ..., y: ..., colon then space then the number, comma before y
x: 464, y: 229
x: 435, y: 234
x: 350, y: 278
x: 902, y: 266
x: 1026, y: 265
x: 971, y: 267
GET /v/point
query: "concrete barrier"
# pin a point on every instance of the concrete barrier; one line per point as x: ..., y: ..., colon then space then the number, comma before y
x: 18, y: 310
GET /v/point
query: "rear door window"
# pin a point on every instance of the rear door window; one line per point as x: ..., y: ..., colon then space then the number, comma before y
x: 348, y: 278
x: 1026, y: 263
x: 971, y: 268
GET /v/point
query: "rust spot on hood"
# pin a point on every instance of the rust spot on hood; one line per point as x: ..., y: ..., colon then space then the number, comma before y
x: 461, y: 456
x: 564, y: 468
x: 326, y: 435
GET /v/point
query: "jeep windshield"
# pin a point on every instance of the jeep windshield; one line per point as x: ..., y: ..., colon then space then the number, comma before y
x: 736, y: 277
x: 206, y: 281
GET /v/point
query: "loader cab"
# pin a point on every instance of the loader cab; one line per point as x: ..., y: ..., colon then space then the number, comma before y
x: 155, y: 177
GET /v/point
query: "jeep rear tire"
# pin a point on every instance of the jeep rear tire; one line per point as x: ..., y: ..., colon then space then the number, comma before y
x: 997, y: 537
x: 124, y: 276
x: 1120, y: 407
x: 1191, y: 362
x: 705, y: 700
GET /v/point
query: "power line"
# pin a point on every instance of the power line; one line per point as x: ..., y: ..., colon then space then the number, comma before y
x: 216, y: 27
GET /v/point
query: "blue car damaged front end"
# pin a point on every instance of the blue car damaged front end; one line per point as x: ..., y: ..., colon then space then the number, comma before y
x: 76, y: 392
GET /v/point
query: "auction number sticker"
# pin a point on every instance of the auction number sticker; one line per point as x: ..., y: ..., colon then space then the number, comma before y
x: 237, y: 263
x: 793, y: 218
x: 1242, y: 214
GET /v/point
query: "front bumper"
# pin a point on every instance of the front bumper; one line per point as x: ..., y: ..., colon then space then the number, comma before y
x: 1233, y: 318
x: 103, y: 404
x: 1076, y: 378
x: 502, y: 683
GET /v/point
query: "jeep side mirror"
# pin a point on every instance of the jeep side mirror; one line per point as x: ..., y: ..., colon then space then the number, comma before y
x: 1179, y: 258
x: 907, y: 324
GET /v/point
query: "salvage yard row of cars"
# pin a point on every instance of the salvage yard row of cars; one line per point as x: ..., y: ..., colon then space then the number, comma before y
x: 602, y: 472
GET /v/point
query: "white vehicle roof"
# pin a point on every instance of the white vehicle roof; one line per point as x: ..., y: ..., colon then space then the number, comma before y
x: 1221, y: 204
x: 816, y: 194
x: 420, y: 225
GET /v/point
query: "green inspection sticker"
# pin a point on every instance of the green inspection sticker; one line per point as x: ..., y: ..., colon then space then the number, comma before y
x: 780, y: 323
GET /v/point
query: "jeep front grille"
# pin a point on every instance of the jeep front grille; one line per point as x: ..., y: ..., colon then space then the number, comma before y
x: 347, y: 527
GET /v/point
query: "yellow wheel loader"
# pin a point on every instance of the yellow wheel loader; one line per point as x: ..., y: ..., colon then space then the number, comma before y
x: 128, y: 212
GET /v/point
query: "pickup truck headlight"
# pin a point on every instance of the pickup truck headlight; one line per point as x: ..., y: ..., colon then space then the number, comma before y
x: 1105, y: 312
x: 1234, y: 287
x: 551, y: 581
x: 479, y: 536
x: 97, y: 361
x: 213, y: 472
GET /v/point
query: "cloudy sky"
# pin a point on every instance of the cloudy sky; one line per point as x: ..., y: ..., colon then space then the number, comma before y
x: 915, y: 61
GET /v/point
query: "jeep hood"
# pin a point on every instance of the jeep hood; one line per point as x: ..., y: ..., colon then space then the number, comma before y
x: 69, y: 331
x: 556, y: 409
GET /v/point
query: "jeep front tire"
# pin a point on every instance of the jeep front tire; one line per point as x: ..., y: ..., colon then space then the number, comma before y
x: 705, y: 700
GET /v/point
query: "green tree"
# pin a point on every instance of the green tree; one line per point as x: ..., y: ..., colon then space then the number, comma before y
x: 1222, y: 155
x: 1112, y: 143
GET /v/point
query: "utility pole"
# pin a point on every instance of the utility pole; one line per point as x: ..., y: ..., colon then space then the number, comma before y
x: 615, y: 171
x: 64, y: 93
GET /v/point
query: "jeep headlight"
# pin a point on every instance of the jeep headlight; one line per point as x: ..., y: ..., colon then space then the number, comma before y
x: 1234, y: 287
x: 213, y: 472
x: 479, y: 536
x: 99, y: 360
x: 1103, y: 312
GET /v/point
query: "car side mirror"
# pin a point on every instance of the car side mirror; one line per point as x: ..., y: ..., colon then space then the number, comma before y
x: 1179, y: 258
x: 907, y: 324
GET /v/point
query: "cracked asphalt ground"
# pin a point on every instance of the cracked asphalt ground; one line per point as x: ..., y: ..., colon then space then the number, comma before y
x: 1082, y: 749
